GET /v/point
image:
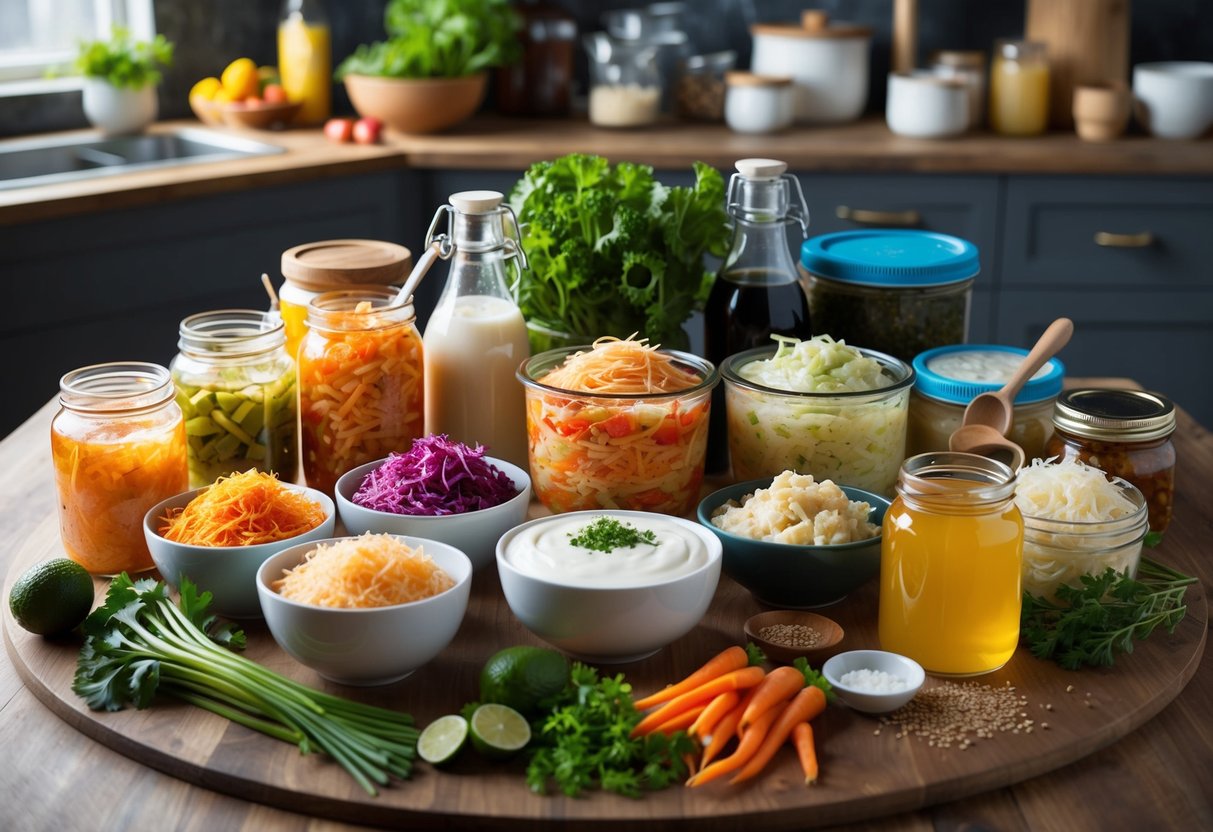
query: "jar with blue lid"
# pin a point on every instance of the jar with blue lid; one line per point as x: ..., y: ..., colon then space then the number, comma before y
x: 948, y: 378
x: 897, y: 291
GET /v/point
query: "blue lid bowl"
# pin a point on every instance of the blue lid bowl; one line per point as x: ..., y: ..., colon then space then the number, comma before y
x: 962, y: 391
x: 894, y: 258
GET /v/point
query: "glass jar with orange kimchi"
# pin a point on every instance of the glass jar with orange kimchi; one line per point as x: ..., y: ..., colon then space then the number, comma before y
x: 118, y: 445
x: 360, y: 382
x: 617, y: 425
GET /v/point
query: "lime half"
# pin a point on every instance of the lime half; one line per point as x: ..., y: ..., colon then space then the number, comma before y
x: 499, y: 730
x: 442, y: 739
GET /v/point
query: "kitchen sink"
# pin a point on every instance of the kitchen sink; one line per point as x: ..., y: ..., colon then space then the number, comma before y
x: 33, y: 162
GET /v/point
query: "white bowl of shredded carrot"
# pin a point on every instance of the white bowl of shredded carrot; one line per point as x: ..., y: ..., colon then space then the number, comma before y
x: 365, y: 610
x: 220, y: 534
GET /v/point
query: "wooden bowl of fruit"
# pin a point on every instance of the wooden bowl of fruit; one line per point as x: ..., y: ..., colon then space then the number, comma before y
x: 260, y: 115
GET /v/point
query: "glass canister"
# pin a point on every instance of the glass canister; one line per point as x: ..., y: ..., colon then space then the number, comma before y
x: 950, y: 565
x: 236, y: 387
x: 305, y: 59
x: 1019, y: 88
x: 898, y: 291
x: 625, y: 84
x: 948, y: 378
x: 700, y: 91
x: 968, y: 67
x: 312, y: 269
x: 118, y: 445
x: 539, y: 84
x: 361, y: 393
x: 1124, y: 433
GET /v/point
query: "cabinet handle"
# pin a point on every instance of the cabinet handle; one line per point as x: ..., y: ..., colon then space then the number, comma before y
x: 902, y: 219
x: 1107, y: 239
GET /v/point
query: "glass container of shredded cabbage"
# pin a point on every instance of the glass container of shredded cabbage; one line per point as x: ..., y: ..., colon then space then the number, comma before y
x: 819, y: 407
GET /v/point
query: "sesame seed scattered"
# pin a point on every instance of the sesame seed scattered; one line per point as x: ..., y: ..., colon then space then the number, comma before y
x: 1069, y: 688
x: 1049, y: 706
x: 1044, y: 725
x: 876, y: 733
x: 957, y: 714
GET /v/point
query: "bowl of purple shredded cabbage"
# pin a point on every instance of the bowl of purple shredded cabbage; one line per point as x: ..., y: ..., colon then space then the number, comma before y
x: 440, y: 489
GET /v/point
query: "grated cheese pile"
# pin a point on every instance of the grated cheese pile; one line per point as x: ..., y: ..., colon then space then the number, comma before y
x: 374, y: 570
x: 795, y: 509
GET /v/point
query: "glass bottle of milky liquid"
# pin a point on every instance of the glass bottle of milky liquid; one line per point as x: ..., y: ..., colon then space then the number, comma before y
x: 476, y: 337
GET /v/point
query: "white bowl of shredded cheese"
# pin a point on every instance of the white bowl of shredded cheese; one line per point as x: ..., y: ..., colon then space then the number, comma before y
x: 874, y: 681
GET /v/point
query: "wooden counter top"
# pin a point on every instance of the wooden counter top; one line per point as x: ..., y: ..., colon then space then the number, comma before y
x: 494, y: 143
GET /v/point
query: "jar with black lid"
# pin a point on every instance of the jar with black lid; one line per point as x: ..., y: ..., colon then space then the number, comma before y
x: 1124, y: 433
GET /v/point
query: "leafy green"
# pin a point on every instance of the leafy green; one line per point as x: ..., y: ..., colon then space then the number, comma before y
x: 585, y: 742
x: 1104, y: 616
x: 438, y: 39
x: 606, y: 534
x: 138, y: 644
x: 813, y: 678
x: 613, y: 251
x: 124, y: 62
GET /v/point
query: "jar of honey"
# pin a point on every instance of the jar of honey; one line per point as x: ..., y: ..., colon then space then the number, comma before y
x: 1019, y: 88
x: 118, y: 446
x: 950, y: 564
x: 1124, y: 433
x: 361, y: 392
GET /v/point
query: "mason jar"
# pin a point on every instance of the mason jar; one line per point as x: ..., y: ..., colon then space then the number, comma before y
x: 361, y: 391
x: 118, y: 447
x: 236, y: 388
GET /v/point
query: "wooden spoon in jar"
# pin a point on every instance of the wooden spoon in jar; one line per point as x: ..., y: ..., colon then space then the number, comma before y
x: 988, y: 417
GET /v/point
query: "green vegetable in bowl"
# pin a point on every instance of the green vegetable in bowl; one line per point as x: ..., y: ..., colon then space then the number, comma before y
x: 123, y: 62
x: 613, y: 251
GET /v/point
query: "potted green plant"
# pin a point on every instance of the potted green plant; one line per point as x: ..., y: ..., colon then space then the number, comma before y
x: 432, y: 70
x: 120, y: 78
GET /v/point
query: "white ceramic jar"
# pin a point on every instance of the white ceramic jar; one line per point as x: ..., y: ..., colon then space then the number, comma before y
x: 926, y: 106
x: 1174, y: 99
x: 828, y: 65
x: 118, y: 111
x: 757, y: 103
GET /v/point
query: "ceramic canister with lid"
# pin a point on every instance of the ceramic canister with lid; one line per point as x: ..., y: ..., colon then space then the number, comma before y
x: 948, y: 378
x: 757, y: 103
x: 897, y: 291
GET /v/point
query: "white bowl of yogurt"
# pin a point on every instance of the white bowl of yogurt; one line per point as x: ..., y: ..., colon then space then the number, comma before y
x: 613, y: 606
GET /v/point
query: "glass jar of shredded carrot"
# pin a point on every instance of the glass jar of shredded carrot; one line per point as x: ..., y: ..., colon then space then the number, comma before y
x: 360, y: 382
x: 118, y: 445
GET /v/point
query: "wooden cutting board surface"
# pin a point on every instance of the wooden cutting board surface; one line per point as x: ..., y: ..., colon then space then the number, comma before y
x: 863, y: 774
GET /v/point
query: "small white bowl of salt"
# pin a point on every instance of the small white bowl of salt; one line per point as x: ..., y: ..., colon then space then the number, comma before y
x: 874, y: 681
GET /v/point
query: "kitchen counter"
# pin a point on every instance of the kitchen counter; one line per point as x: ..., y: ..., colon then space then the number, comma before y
x: 1160, y: 776
x: 495, y: 143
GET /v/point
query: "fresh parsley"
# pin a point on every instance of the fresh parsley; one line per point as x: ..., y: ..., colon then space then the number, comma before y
x: 585, y: 742
x: 606, y: 534
x: 1091, y: 624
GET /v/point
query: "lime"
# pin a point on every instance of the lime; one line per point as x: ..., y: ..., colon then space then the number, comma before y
x: 52, y: 597
x: 442, y: 739
x: 498, y: 730
x: 523, y: 677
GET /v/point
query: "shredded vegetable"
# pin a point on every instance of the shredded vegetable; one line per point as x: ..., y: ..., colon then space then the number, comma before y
x: 816, y: 365
x: 243, y: 510
x: 644, y: 453
x: 437, y: 476
x: 374, y: 570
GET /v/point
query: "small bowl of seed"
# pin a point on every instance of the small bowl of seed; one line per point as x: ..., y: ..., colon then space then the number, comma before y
x: 786, y: 635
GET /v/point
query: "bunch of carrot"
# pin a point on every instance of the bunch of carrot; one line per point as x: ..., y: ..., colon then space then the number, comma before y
x: 730, y: 698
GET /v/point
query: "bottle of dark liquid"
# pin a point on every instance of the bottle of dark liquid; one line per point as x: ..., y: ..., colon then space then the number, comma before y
x: 758, y: 292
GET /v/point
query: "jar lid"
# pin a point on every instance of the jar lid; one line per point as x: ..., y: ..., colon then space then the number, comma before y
x: 959, y: 58
x: 814, y: 23
x: 333, y: 264
x: 761, y: 168
x: 743, y: 78
x: 891, y: 257
x: 1114, y: 415
x: 958, y: 373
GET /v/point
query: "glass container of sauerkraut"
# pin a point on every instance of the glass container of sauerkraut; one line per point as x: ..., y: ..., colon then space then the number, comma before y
x: 818, y: 407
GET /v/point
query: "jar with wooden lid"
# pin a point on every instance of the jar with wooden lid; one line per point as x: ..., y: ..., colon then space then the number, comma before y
x: 1124, y: 433
x: 968, y: 67
x: 757, y: 103
x: 118, y: 446
x: 236, y: 387
x: 314, y: 268
x: 361, y: 391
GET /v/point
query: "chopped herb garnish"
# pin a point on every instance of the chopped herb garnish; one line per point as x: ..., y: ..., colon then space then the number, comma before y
x: 607, y: 534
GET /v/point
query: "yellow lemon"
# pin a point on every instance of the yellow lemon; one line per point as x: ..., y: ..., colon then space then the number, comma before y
x: 240, y: 79
x: 223, y: 97
x: 206, y: 88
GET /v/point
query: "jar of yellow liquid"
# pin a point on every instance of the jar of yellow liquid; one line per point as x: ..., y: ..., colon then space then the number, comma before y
x: 950, y: 560
x: 305, y: 59
x: 1019, y: 88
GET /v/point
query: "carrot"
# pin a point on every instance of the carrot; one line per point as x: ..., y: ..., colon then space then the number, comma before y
x: 780, y: 685
x: 726, y: 661
x: 804, y: 706
x: 724, y: 730
x: 747, y: 677
x: 681, y: 722
x: 241, y: 510
x: 802, y: 737
x: 751, y: 741
x: 713, y: 712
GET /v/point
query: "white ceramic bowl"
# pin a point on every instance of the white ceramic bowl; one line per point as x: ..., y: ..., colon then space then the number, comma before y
x: 892, y: 663
x: 229, y: 573
x: 366, y: 646
x: 610, y: 625
x: 474, y: 533
x: 1174, y: 99
x: 926, y: 106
